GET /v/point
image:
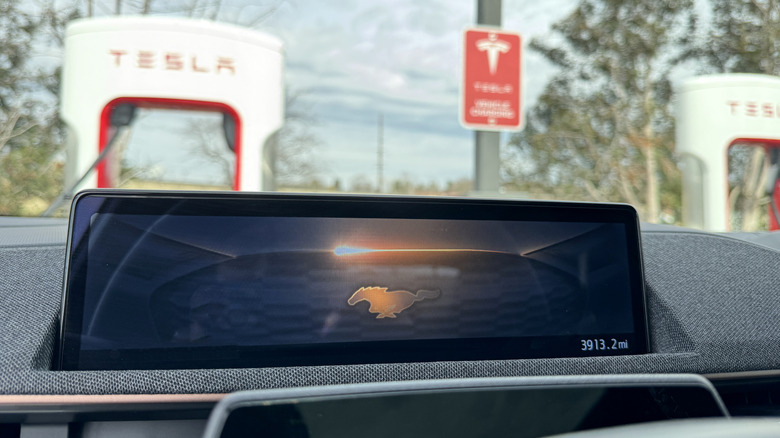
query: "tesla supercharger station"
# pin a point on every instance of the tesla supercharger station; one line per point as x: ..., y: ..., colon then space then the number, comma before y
x: 152, y: 62
x: 715, y: 113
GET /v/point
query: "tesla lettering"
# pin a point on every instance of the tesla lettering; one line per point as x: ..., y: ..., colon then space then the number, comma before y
x: 751, y: 109
x: 145, y: 59
x: 492, y: 87
x: 754, y: 109
x: 767, y: 110
x: 175, y: 61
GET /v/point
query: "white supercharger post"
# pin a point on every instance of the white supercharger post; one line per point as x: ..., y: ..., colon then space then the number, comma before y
x: 171, y: 63
x: 715, y: 112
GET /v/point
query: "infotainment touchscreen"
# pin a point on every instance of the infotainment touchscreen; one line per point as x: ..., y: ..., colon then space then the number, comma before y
x: 197, y: 280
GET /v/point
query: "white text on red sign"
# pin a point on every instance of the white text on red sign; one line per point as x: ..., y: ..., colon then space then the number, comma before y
x: 492, y: 109
x: 492, y: 87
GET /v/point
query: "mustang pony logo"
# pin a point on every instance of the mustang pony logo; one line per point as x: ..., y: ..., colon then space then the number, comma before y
x: 387, y: 304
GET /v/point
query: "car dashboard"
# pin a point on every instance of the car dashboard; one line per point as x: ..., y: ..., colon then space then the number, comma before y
x: 711, y: 303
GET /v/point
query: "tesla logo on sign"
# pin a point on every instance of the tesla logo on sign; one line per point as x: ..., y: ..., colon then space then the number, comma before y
x: 490, y: 93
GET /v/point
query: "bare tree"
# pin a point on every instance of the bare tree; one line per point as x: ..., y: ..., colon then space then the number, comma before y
x: 748, y: 200
x: 250, y: 15
x: 207, y: 143
x: 297, y: 161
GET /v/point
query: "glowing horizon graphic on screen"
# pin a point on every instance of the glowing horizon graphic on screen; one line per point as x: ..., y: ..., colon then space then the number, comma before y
x: 344, y: 250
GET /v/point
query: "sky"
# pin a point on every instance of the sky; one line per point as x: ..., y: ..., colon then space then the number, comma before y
x: 356, y: 59
x: 352, y: 60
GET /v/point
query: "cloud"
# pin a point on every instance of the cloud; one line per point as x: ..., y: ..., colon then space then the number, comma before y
x: 351, y: 60
x: 358, y: 59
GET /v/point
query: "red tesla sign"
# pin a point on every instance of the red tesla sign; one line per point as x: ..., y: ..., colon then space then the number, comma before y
x: 490, y: 93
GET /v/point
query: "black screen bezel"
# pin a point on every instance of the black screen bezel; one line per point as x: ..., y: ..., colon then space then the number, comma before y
x: 87, y: 203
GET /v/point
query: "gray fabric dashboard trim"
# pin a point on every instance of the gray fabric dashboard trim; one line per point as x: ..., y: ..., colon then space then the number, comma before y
x: 26, y: 232
x: 712, y: 304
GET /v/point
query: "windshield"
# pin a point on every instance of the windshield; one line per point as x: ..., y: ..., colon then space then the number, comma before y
x: 647, y: 102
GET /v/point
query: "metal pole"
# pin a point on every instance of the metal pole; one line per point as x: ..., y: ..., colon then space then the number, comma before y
x: 380, y: 140
x: 489, y: 12
x: 487, y: 162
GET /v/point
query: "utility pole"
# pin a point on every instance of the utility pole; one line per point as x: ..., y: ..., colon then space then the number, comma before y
x: 380, y: 140
x: 487, y: 161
